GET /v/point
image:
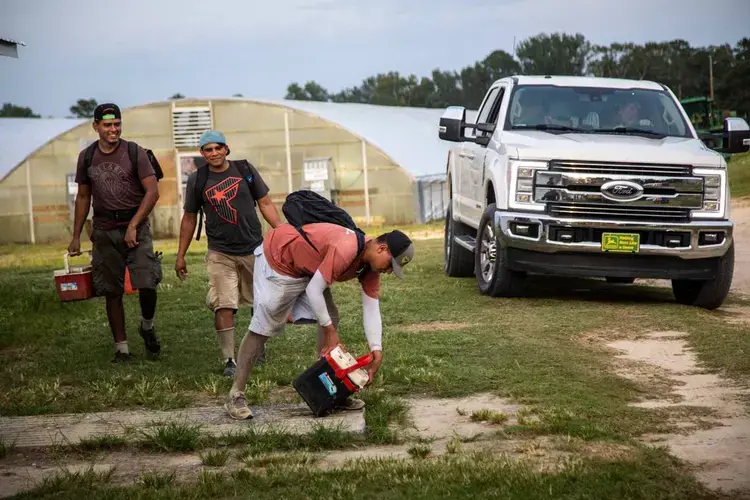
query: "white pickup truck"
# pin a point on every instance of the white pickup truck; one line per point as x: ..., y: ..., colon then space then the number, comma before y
x: 588, y: 177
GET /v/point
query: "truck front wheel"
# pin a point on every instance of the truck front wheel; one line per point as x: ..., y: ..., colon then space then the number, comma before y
x: 459, y: 262
x: 493, y: 276
x: 708, y: 294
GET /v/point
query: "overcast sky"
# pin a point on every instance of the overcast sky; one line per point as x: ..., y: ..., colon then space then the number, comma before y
x: 138, y: 51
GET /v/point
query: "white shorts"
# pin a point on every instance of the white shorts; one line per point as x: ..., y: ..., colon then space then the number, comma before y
x: 276, y: 297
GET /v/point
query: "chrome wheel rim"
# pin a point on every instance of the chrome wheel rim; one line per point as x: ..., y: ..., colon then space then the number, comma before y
x: 487, y: 253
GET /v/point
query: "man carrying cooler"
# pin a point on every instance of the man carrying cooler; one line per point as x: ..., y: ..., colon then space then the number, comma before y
x: 226, y: 191
x: 123, y: 198
x: 293, y: 277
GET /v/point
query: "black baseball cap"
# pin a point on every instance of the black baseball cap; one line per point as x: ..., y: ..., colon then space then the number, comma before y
x: 107, y: 111
x: 402, y: 251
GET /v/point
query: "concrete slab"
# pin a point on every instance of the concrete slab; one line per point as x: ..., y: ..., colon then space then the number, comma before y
x: 66, y: 429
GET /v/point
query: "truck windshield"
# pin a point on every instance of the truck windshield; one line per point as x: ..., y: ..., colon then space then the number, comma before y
x: 648, y: 113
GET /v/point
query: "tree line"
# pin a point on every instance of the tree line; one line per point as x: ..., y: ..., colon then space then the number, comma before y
x: 721, y: 70
x: 688, y: 71
x: 83, y: 108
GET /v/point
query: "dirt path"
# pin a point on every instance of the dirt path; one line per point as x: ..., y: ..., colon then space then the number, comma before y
x: 741, y: 218
x: 718, y: 446
x: 51, y: 430
x: 445, y: 425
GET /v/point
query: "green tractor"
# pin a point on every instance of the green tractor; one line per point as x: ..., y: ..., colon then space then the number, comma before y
x: 707, y: 119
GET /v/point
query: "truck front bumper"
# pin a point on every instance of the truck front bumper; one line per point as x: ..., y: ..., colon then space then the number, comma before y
x: 539, y: 243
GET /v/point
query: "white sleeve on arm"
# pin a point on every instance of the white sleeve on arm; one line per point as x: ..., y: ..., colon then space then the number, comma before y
x: 372, y: 322
x: 315, y: 290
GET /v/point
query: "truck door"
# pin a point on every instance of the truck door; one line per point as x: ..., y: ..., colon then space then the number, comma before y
x: 476, y: 153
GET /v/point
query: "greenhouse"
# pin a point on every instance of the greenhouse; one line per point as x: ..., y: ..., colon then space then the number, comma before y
x: 384, y: 165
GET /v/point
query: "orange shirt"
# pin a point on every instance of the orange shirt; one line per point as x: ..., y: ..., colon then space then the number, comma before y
x: 288, y: 253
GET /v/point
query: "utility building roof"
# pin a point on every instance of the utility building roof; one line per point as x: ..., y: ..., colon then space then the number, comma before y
x: 409, y: 136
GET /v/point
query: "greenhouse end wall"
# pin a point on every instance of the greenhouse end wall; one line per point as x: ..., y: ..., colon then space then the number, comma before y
x: 254, y: 131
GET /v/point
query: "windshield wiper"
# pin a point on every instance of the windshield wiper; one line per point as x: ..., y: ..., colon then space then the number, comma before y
x: 544, y: 126
x: 629, y: 131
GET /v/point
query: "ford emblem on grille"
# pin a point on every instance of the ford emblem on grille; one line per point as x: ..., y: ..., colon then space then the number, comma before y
x: 622, y: 191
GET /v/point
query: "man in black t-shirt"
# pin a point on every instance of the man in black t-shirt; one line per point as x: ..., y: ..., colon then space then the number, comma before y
x: 228, y: 196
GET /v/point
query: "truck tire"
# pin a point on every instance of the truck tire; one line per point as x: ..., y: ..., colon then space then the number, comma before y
x: 708, y: 294
x: 493, y: 276
x: 459, y: 262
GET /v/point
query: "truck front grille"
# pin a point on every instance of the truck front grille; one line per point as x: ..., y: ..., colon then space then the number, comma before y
x: 621, y: 168
x: 616, y: 212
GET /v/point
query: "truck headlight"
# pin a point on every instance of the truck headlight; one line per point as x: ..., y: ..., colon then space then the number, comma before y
x: 522, y: 185
x: 525, y: 181
x: 714, y: 193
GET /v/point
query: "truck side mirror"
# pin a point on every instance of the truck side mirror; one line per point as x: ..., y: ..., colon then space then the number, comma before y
x: 452, y: 124
x: 736, y: 135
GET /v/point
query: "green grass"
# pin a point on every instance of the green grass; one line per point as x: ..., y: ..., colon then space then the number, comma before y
x: 493, y: 417
x: 155, y: 481
x: 171, y: 437
x: 215, y: 458
x: 536, y: 350
x: 739, y: 175
x: 652, y: 476
x: 420, y: 451
x: 530, y: 349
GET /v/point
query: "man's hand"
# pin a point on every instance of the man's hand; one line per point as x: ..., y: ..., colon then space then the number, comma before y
x: 180, y: 267
x: 374, y: 366
x: 75, y: 247
x: 331, y: 340
x: 131, y: 239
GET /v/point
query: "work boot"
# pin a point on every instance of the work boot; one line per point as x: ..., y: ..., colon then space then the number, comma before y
x: 351, y: 404
x: 230, y: 368
x: 237, y: 407
x: 150, y: 340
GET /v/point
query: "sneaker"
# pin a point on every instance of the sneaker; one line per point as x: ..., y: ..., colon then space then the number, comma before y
x: 237, y: 407
x: 351, y: 404
x: 150, y: 340
x: 121, y: 357
x: 230, y: 368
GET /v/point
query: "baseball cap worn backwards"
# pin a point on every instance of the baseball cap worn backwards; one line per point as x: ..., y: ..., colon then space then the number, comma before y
x: 402, y: 251
x: 212, y: 136
x: 107, y: 111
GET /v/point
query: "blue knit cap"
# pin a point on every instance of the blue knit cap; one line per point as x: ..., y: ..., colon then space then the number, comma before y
x: 211, y: 136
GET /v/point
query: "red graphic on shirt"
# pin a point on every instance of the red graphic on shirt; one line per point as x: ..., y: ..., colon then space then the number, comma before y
x: 220, y: 195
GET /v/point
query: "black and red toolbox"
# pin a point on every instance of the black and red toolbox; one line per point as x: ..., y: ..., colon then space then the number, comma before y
x: 331, y: 380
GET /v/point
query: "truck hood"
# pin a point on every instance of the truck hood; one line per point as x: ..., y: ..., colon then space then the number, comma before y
x: 539, y: 145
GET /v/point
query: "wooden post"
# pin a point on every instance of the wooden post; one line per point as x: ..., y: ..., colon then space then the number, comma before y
x: 711, y: 75
x: 367, y: 184
x: 288, y: 152
x: 32, y: 233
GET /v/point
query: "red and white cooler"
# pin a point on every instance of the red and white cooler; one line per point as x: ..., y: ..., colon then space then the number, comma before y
x: 74, y: 283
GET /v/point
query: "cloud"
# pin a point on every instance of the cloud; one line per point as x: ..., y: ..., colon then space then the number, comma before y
x: 142, y: 50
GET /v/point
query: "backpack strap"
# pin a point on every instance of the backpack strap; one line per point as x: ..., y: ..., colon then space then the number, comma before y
x: 88, y: 157
x: 244, y: 167
x: 201, y: 178
x: 133, y: 154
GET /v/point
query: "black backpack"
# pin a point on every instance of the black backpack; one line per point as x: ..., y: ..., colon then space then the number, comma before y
x: 132, y: 153
x: 308, y: 207
x: 202, y: 178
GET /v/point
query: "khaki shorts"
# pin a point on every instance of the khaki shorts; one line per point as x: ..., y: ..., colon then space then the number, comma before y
x: 230, y: 280
x: 110, y: 255
x: 282, y: 296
